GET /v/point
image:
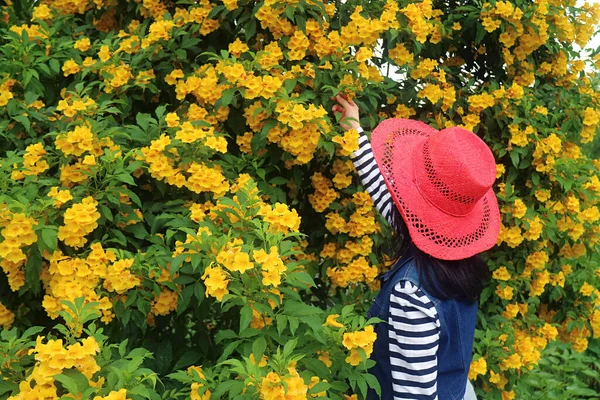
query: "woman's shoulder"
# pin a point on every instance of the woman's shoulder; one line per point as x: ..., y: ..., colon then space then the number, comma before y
x: 410, y: 296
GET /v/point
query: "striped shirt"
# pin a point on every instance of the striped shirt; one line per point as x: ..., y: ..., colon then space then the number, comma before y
x: 414, y: 326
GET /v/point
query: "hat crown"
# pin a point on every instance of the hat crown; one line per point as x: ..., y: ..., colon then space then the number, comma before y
x: 454, y: 169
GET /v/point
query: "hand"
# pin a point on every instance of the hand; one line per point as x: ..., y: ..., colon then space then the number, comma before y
x: 349, y: 111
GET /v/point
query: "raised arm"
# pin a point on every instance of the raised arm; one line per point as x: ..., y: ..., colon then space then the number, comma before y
x: 370, y: 176
x: 364, y: 162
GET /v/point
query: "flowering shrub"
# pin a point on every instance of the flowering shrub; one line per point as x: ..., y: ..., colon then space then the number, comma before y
x: 179, y: 215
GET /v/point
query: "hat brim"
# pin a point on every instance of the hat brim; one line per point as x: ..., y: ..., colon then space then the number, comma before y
x: 443, y: 236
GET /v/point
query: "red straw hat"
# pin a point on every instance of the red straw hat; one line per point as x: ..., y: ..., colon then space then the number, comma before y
x: 441, y: 182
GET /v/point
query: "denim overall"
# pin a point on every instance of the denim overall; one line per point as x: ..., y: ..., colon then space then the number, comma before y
x: 457, y: 328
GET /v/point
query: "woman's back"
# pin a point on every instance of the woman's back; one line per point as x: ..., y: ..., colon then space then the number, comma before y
x: 425, y: 344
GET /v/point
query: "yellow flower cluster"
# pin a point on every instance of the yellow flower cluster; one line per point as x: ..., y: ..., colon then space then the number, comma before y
x: 119, y: 277
x: 70, y: 67
x: 302, y: 139
x: 71, y: 108
x: 120, y: 394
x: 527, y: 347
x: 76, y: 142
x: 342, y: 171
x: 197, y: 386
x: 324, y: 193
x: 32, y: 160
x: 289, y: 387
x: 79, y: 220
x: 17, y: 233
x: 7, y: 317
x: 269, y: 56
x: 356, y: 271
x: 206, y: 179
x: 591, y: 118
x: 479, y: 102
x: 536, y: 226
x: 297, y: 45
x: 165, y: 302
x: 159, y: 165
x: 216, y: 282
x: 67, y: 278
x: 280, y: 218
x: 201, y: 177
x: 53, y: 358
x: 478, y: 367
x: 348, y: 142
x: 419, y: 17
x: 361, y: 30
x: 272, y: 267
x: 360, y: 339
x: 203, y: 85
x: 512, y: 236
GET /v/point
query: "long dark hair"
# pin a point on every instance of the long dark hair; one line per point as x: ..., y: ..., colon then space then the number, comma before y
x: 445, y: 279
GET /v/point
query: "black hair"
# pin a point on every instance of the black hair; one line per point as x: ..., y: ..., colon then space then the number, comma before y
x: 461, y: 280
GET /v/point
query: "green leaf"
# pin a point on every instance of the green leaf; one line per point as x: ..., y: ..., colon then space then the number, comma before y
x: 160, y: 111
x: 55, y: 66
x: 258, y: 348
x: 297, y: 308
x: 126, y: 178
x: 23, y: 120
x: 228, y: 350
x: 227, y: 96
x: 514, y: 157
x: 319, y: 387
x: 7, y: 387
x: 33, y: 268
x: 245, y: 317
x: 289, y: 347
x: 74, y: 381
x: 49, y: 237
x: 373, y: 383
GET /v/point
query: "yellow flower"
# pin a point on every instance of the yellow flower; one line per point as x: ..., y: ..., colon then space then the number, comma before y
x: 508, y: 395
x: 501, y: 274
x: 104, y: 53
x: 478, y: 367
x: 42, y: 12
x: 519, y: 208
x: 324, y: 357
x: 348, y: 142
x: 354, y: 358
x: 238, y: 47
x: 60, y: 197
x: 70, y: 67
x: 216, y: 282
x: 586, y: 289
x: 500, y: 170
x: 331, y: 321
x: 172, y: 120
x: 241, y: 263
x: 505, y: 293
x: 6, y: 317
x: 511, y: 311
x: 83, y: 44
x: 363, y: 54
x: 511, y: 362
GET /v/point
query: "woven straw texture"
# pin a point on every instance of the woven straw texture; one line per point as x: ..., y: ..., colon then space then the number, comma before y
x: 441, y: 181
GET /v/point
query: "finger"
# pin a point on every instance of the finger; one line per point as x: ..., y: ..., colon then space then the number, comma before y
x: 342, y: 101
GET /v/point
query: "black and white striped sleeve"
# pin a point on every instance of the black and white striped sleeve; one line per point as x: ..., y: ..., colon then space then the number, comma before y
x: 414, y: 335
x: 370, y: 176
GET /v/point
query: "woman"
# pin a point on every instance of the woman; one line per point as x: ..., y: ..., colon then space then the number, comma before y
x: 435, y: 189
